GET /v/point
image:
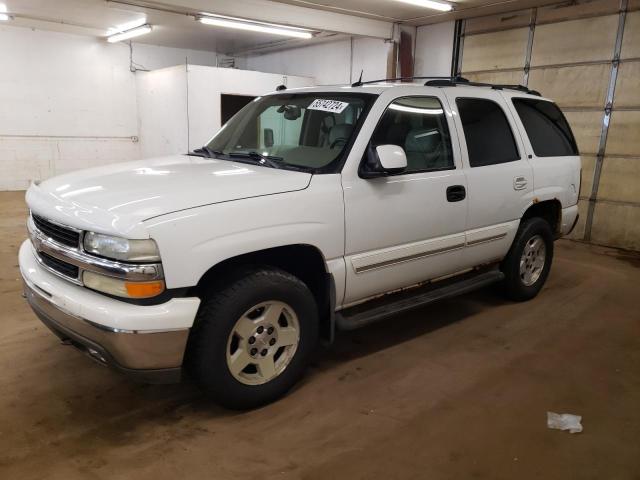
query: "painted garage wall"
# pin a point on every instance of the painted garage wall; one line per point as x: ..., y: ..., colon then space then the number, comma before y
x: 577, y: 76
x: 69, y: 101
x: 179, y: 107
x: 330, y: 63
x: 434, y: 50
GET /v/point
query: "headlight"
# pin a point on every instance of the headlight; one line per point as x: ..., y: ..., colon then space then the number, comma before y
x: 120, y: 248
x: 122, y: 288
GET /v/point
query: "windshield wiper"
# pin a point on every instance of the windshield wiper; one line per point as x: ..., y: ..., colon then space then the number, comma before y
x: 208, y: 152
x: 268, y: 160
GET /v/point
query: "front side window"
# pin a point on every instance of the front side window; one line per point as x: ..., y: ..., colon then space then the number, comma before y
x: 486, y: 129
x: 546, y: 127
x: 419, y: 126
x: 306, y: 131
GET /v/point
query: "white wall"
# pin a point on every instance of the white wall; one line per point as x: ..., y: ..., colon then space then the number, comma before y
x: 329, y: 63
x: 434, y: 49
x: 69, y: 101
x: 179, y: 109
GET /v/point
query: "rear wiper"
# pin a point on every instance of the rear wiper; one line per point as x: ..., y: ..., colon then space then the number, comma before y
x: 207, y: 151
x: 268, y: 160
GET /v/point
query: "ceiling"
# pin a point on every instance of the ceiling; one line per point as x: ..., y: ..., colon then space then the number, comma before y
x: 175, y: 26
x: 397, y: 11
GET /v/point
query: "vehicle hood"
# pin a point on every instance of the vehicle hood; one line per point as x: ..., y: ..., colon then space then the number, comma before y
x: 115, y: 199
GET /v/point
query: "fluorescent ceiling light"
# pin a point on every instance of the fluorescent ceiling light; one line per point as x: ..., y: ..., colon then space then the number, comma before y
x: 135, y: 32
x: 127, y: 26
x: 443, y: 7
x: 230, y: 22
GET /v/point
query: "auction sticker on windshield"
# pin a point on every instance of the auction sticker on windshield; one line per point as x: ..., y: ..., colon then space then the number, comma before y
x: 333, y: 106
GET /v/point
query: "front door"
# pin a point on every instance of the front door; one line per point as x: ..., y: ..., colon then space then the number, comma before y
x: 406, y: 228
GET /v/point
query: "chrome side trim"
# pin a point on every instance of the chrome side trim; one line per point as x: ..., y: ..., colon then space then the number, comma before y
x: 408, y: 258
x: 86, y: 262
x: 486, y: 239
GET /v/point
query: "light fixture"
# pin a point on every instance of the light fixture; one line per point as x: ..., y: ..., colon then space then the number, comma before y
x: 253, y: 26
x: 443, y: 7
x: 126, y: 35
x: 4, y: 16
x: 123, y: 27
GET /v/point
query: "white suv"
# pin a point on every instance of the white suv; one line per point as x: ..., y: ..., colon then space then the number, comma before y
x: 312, y: 210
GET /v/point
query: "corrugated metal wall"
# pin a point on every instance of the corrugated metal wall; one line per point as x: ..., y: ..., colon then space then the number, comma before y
x: 585, y: 56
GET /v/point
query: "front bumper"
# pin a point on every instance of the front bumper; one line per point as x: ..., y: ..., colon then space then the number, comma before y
x: 114, y: 333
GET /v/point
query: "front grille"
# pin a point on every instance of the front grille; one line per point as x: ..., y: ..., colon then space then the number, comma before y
x: 59, y: 266
x: 62, y: 235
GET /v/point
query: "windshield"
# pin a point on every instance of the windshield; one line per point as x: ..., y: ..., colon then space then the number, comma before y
x: 306, y: 131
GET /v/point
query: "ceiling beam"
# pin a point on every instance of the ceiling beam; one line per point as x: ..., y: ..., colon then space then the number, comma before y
x: 274, y: 12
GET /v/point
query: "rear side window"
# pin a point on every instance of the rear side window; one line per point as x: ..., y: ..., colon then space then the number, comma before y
x: 487, y: 132
x: 548, y: 130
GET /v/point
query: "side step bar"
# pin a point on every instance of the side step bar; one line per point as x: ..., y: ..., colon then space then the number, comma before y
x: 359, y: 316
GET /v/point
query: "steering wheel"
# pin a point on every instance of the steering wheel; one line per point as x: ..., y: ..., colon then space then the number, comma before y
x: 338, y: 141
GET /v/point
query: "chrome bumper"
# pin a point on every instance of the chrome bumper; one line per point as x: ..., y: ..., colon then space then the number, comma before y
x: 152, y: 357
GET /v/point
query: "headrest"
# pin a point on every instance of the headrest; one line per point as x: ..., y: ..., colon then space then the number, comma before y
x: 422, y: 140
x: 341, y: 130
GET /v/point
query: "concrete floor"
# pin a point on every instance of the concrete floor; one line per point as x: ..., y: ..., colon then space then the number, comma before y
x: 456, y: 390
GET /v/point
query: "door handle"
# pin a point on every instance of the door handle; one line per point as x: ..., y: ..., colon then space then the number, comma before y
x: 456, y: 193
x: 519, y: 183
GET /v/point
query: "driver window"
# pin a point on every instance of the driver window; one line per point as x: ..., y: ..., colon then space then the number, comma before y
x: 419, y: 126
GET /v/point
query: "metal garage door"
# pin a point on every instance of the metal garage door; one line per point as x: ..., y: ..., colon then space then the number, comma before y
x: 586, y: 56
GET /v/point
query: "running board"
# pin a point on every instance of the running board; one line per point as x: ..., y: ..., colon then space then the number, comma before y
x: 394, y: 304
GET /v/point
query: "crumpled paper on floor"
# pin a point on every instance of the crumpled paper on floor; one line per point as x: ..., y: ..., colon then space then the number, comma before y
x: 564, y: 421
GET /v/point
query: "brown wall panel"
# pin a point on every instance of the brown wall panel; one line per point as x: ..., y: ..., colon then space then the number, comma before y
x: 567, y: 85
x: 505, y: 78
x: 616, y: 225
x: 624, y: 134
x: 588, y: 167
x: 628, y: 85
x: 620, y: 180
x: 590, y: 39
x: 497, y: 50
x: 631, y: 38
x: 498, y: 22
x: 558, y: 13
x: 586, y: 127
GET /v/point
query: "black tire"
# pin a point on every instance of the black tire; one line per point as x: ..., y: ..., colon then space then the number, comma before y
x: 221, y: 307
x: 515, y: 287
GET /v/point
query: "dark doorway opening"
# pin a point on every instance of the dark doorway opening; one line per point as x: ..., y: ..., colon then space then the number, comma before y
x: 232, y: 104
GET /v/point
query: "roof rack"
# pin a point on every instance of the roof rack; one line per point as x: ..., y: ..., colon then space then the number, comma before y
x: 451, y: 82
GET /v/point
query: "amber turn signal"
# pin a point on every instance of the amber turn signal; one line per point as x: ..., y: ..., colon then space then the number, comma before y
x: 144, y: 289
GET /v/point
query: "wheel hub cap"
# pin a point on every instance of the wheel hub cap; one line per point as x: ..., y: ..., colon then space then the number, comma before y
x: 262, y: 342
x: 533, y: 260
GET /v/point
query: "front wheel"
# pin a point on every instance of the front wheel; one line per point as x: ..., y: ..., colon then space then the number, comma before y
x: 526, y: 266
x: 253, y: 339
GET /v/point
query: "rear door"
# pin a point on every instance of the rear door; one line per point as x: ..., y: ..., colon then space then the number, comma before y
x: 499, y: 176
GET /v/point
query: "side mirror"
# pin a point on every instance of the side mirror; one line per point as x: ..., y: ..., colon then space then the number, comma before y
x: 392, y: 158
x: 268, y: 137
x: 383, y: 160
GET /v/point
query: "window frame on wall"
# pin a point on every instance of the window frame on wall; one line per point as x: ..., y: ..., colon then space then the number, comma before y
x: 446, y: 129
x: 505, y: 115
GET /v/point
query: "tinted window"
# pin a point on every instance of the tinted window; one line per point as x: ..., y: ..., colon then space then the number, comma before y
x: 487, y: 132
x: 419, y: 126
x: 548, y: 130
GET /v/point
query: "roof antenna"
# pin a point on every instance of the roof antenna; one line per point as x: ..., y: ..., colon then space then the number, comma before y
x: 359, y: 82
x: 280, y: 88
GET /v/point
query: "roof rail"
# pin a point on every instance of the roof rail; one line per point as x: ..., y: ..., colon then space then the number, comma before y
x: 449, y: 82
x: 452, y: 82
x: 401, y: 79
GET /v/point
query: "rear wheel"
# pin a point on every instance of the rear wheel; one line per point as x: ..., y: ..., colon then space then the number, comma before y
x: 253, y: 339
x: 526, y: 266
